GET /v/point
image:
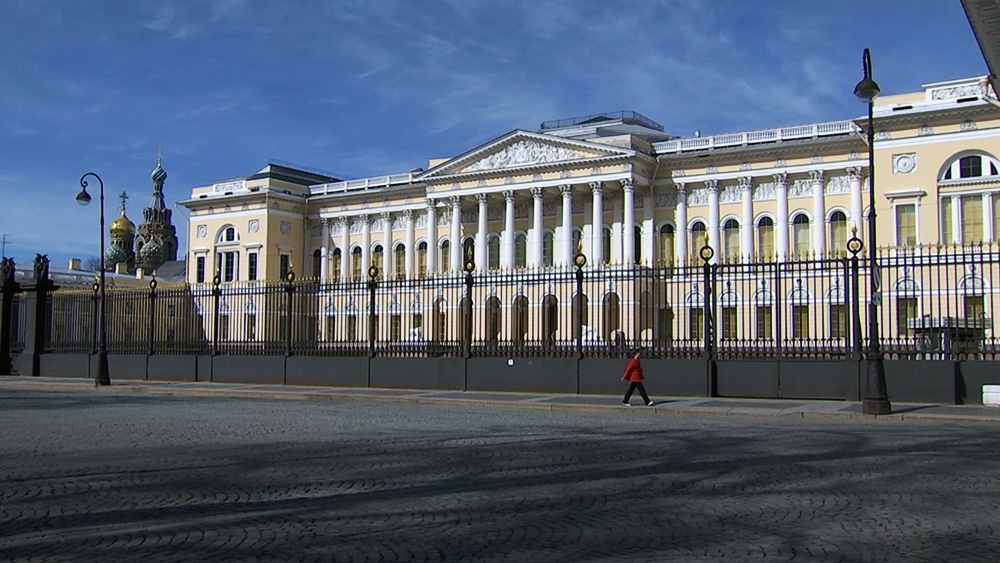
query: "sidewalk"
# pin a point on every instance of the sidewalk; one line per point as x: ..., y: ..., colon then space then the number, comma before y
x: 663, y: 405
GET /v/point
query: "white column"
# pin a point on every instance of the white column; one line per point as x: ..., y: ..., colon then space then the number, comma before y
x: 681, y: 232
x: 597, y: 225
x: 386, y: 244
x: 587, y: 230
x: 857, y: 208
x: 987, y: 216
x: 566, y: 250
x: 648, y: 227
x: 628, y: 232
x: 455, y: 258
x: 535, y: 235
x: 781, y: 225
x: 345, y: 250
x: 324, y: 250
x: 408, y: 257
x: 746, y: 229
x: 507, y: 240
x: 482, y: 252
x: 616, y: 229
x: 432, y: 224
x: 819, y: 214
x: 713, y: 218
x: 366, y: 244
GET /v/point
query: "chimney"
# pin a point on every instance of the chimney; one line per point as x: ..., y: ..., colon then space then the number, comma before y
x: 74, y: 263
x: 139, y: 273
x: 121, y: 268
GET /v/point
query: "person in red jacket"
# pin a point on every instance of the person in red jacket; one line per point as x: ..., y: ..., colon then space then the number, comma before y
x: 633, y: 373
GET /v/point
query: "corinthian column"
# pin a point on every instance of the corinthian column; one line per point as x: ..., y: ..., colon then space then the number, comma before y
x: 455, y: 258
x: 324, y: 250
x: 481, y: 242
x: 408, y: 256
x: 345, y: 250
x: 597, y: 224
x: 566, y: 252
x: 819, y: 214
x: 713, y: 218
x: 507, y: 241
x: 781, y: 192
x: 681, y: 217
x: 746, y: 229
x: 628, y: 233
x: 535, y: 235
x: 432, y: 240
x: 366, y: 243
x: 857, y: 210
x: 386, y: 244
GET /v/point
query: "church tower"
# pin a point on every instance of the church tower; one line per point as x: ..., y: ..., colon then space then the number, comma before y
x: 122, y: 238
x: 156, y: 241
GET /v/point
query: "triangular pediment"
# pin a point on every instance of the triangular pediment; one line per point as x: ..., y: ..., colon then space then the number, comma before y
x: 521, y: 149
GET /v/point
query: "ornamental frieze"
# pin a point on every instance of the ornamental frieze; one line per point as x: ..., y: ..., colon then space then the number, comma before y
x: 524, y: 153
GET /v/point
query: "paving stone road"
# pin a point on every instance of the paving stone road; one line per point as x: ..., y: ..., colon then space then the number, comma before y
x: 103, y: 477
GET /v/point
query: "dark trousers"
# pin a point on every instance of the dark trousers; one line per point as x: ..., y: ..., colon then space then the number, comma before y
x: 631, y: 389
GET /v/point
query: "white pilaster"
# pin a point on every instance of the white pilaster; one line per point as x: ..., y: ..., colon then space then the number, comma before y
x: 681, y: 232
x: 713, y: 219
x: 324, y: 250
x: 386, y: 244
x: 507, y: 240
x: 481, y: 242
x: 432, y: 240
x: 857, y: 209
x: 345, y: 250
x: 597, y: 224
x: 781, y: 225
x: 565, y: 237
x: 409, y: 253
x: 956, y: 220
x: 366, y: 244
x: 648, y: 227
x: 746, y: 228
x: 819, y: 214
x: 455, y: 258
x: 987, y: 216
x: 535, y: 235
x: 628, y: 233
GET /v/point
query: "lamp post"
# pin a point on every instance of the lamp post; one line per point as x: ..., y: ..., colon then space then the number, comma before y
x: 579, y: 261
x: 83, y: 198
x: 876, y: 399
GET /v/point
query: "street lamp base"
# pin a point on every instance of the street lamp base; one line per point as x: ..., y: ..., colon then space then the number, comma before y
x: 103, y: 373
x: 876, y: 406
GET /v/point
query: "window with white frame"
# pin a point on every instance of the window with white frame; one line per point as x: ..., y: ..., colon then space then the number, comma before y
x: 906, y: 224
x: 765, y: 238
x: 731, y: 240
x: 800, y: 235
x: 838, y: 232
x: 970, y: 166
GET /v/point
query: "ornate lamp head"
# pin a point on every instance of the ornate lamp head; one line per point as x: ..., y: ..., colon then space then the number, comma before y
x: 580, y: 260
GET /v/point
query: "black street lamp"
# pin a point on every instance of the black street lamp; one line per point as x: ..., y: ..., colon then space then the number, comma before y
x: 876, y: 399
x: 83, y: 198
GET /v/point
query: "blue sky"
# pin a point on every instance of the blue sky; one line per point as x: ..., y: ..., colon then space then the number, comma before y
x: 368, y: 87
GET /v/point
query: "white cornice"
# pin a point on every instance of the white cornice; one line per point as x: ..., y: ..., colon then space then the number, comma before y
x: 800, y: 169
x: 469, y: 192
x: 244, y: 213
x: 938, y: 138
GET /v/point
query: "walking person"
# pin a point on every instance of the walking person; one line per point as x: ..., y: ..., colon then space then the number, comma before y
x: 633, y: 374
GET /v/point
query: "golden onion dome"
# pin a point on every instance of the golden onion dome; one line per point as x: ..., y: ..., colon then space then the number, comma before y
x: 122, y: 225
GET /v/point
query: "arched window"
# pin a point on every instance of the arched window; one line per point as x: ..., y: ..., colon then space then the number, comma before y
x: 606, y: 244
x: 731, y: 240
x: 377, y: 253
x: 399, y: 255
x: 439, y: 329
x: 800, y: 235
x: 548, y: 248
x: 520, y: 250
x: 612, y: 316
x: 422, y: 260
x: 637, y: 244
x: 838, y: 233
x: 444, y: 257
x: 493, y: 252
x: 667, y: 245
x: 971, y: 166
x: 550, y: 318
x: 698, y: 237
x: 335, y: 264
x: 519, y: 322
x: 493, y: 322
x: 228, y: 234
x: 356, y: 264
x: 317, y: 272
x: 765, y: 238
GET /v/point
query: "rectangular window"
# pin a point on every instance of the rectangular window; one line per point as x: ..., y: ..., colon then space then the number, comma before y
x: 395, y: 328
x: 331, y: 328
x: 996, y: 216
x: 729, y: 320
x: 838, y: 322
x: 422, y: 261
x: 906, y: 225
x: 352, y: 328
x: 906, y: 309
x: 974, y: 308
x: 251, y: 328
x: 285, y: 264
x: 400, y: 262
x: 765, y: 323
x: 696, y: 323
x: 229, y: 266
x: 947, y: 233
x: 765, y: 242
x: 972, y: 219
x: 199, y: 275
x: 970, y: 167
x: 252, y: 266
x: 800, y: 322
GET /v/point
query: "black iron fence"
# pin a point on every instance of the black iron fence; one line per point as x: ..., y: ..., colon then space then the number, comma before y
x: 933, y: 304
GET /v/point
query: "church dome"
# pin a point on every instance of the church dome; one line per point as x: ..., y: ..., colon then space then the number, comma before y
x: 158, y: 174
x: 122, y: 225
x: 115, y: 255
x: 151, y: 252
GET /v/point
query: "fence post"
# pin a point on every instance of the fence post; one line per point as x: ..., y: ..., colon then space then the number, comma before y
x: 38, y: 316
x: 9, y: 287
x: 470, y: 265
x: 152, y: 314
x: 289, y: 290
x: 216, y: 294
x: 372, y: 286
x: 854, y: 246
x: 580, y: 260
x: 708, y: 312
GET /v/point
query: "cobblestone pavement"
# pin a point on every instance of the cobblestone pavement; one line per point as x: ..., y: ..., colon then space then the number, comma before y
x: 104, y: 477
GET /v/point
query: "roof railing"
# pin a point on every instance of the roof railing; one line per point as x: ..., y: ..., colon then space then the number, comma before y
x: 755, y: 137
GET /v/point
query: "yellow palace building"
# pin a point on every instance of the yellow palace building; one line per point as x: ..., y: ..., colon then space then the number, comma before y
x: 638, y: 203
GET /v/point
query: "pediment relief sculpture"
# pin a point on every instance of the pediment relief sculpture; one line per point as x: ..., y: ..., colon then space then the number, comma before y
x: 525, y: 153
